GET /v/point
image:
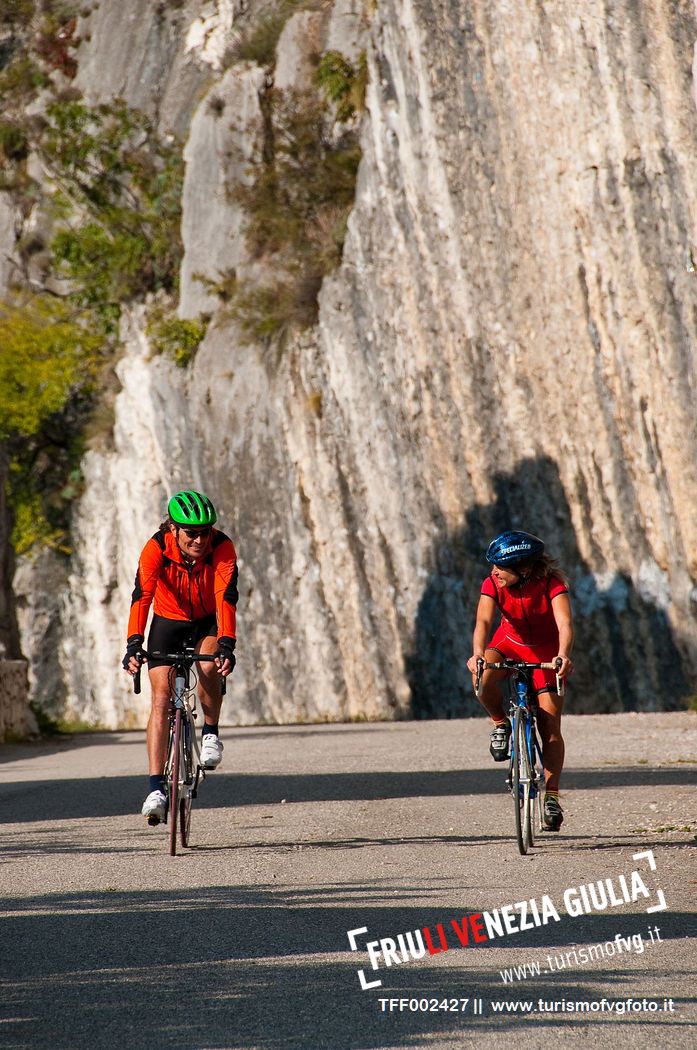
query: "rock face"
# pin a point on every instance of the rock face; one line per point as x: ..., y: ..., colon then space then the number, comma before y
x: 16, y: 717
x: 510, y: 340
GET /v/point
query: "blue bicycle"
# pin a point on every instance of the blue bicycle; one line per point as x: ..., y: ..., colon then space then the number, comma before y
x: 526, y: 778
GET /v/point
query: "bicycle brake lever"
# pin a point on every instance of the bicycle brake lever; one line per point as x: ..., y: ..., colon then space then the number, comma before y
x: 136, y: 681
x: 560, y: 681
x: 478, y: 679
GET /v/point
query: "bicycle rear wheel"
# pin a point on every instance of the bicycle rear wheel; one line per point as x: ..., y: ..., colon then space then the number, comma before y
x: 185, y: 818
x: 529, y: 796
x: 174, y: 785
x: 520, y: 779
x: 538, y: 779
x: 188, y: 785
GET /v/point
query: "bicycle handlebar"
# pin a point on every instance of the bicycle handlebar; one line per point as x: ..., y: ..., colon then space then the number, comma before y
x: 186, y: 657
x: 517, y: 665
x: 172, y: 659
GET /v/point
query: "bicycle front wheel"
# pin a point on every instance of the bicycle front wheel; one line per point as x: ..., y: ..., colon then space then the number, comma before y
x: 175, y: 795
x: 520, y: 781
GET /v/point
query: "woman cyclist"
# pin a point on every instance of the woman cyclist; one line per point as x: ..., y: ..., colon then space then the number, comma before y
x: 531, y: 595
x: 188, y: 572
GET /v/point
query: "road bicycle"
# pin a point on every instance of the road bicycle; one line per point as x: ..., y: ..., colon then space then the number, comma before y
x: 183, y: 769
x: 526, y: 778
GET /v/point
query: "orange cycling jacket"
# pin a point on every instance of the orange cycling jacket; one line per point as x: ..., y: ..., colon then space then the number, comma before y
x: 179, y: 591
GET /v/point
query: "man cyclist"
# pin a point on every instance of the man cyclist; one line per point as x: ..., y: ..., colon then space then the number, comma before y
x: 531, y: 593
x: 187, y: 571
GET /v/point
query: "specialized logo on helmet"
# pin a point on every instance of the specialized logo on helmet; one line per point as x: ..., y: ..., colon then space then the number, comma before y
x: 511, y: 546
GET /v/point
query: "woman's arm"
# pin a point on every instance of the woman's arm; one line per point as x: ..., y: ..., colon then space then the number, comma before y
x: 561, y: 607
x: 486, y: 610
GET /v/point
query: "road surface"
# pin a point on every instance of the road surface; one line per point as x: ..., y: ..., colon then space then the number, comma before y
x: 308, y: 832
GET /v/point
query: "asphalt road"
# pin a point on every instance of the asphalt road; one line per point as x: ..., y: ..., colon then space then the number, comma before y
x: 308, y: 832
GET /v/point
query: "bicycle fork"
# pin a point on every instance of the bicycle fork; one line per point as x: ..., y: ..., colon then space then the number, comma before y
x: 191, y: 755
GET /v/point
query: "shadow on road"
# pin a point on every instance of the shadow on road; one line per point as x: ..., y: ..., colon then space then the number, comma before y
x: 45, y: 746
x: 112, y: 796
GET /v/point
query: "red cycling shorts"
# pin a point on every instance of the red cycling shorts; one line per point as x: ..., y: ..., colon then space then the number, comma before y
x: 541, y: 652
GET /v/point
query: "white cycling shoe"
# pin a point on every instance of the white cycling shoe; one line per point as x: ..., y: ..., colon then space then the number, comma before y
x: 211, y: 751
x: 155, y: 807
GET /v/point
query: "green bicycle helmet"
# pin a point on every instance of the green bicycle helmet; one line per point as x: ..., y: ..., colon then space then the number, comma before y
x: 191, y: 508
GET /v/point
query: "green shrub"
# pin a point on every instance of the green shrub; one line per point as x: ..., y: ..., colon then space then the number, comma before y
x: 225, y: 287
x: 114, y: 169
x: 297, y: 205
x: 307, y: 175
x: 48, y: 351
x: 13, y: 141
x: 113, y: 193
x: 343, y: 83
x: 259, y: 43
x: 16, y: 11
x: 178, y: 339
x: 268, y: 312
x: 52, y: 727
x: 50, y: 357
x: 20, y: 81
x: 55, y: 40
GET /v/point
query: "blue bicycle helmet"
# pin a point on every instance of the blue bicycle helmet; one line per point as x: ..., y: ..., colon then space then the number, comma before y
x: 510, y: 547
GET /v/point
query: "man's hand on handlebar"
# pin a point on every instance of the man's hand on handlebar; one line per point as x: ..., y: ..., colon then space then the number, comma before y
x: 135, y: 654
x: 225, y: 656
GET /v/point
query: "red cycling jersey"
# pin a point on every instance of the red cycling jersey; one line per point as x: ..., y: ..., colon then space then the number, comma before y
x: 526, y: 609
x: 179, y: 591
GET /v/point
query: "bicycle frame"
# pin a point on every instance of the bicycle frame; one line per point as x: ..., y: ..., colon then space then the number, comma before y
x: 183, y: 766
x: 180, y: 700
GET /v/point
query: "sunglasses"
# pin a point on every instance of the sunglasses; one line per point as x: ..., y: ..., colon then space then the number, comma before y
x: 193, y: 533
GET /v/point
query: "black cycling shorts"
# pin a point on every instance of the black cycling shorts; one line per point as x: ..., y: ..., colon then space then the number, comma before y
x: 173, y: 636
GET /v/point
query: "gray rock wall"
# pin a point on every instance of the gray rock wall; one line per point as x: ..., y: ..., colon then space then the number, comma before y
x: 509, y: 341
x: 16, y: 719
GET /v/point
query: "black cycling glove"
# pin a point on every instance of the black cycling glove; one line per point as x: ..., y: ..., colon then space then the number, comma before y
x: 226, y: 651
x: 134, y: 647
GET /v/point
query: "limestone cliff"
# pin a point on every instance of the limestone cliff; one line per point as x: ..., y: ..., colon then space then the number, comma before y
x: 510, y: 339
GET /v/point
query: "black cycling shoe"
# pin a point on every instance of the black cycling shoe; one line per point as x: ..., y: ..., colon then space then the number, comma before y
x: 499, y: 740
x: 552, y: 814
